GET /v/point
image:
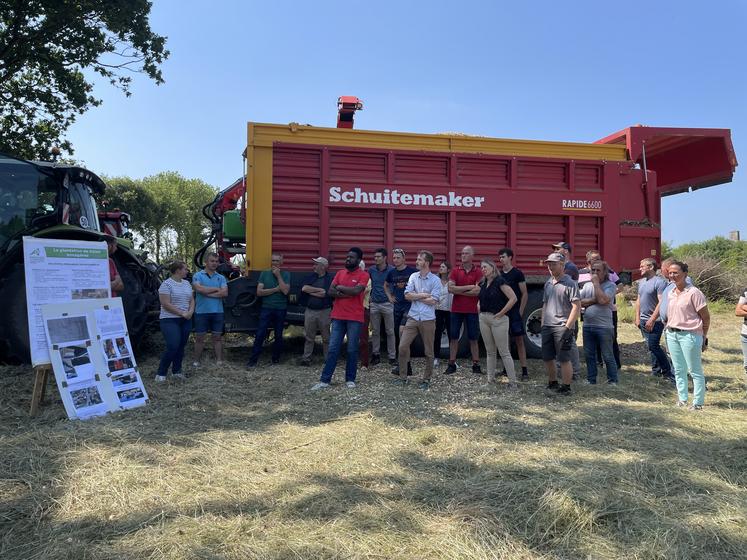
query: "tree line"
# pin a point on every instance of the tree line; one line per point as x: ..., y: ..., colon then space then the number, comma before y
x: 166, y: 212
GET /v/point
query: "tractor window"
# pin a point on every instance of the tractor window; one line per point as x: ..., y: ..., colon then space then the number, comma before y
x: 79, y: 208
x: 25, y: 196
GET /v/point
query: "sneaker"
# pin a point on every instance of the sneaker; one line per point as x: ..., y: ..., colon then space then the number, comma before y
x: 613, y: 383
x: 319, y: 386
x: 392, y: 361
x: 476, y: 369
x: 399, y: 381
x: 552, y: 385
x: 564, y: 390
x: 375, y: 359
x: 695, y: 408
x: 395, y: 370
x: 409, y: 368
x: 425, y: 385
x: 350, y: 384
x: 219, y: 363
x: 681, y: 404
x: 435, y: 362
x: 251, y: 364
x: 304, y: 363
x: 451, y: 368
x: 589, y: 382
x: 160, y: 378
x: 524, y: 376
x: 179, y: 376
x: 195, y: 364
x: 512, y: 387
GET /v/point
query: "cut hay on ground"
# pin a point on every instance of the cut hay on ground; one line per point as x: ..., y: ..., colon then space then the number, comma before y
x: 235, y: 465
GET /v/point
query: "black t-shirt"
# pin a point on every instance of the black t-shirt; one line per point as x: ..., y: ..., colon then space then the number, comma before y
x: 317, y: 281
x: 397, y: 280
x: 513, y: 278
x: 492, y: 298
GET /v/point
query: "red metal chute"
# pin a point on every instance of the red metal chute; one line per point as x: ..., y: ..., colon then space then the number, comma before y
x: 683, y: 158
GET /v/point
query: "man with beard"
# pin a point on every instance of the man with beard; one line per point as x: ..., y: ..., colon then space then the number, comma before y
x: 347, y: 291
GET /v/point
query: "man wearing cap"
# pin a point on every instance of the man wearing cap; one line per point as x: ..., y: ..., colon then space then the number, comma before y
x: 318, y: 304
x: 381, y: 308
x: 347, y: 291
x: 561, y: 306
x: 570, y: 268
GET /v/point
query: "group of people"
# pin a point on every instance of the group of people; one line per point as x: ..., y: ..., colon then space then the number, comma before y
x: 485, y: 301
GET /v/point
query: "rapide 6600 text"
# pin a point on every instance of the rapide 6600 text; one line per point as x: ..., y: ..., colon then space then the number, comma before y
x: 394, y: 197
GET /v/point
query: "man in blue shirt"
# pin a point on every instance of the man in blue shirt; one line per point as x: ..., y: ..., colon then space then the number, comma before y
x: 381, y: 308
x: 210, y: 287
x: 647, y: 308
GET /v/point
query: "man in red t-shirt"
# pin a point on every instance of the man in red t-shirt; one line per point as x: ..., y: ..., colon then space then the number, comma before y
x: 463, y: 282
x: 347, y: 290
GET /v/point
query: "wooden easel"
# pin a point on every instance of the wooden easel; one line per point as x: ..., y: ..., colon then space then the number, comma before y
x: 41, y: 376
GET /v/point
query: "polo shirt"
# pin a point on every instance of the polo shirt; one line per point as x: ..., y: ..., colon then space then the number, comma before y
x: 460, y: 277
x: 598, y: 315
x: 316, y: 281
x: 665, y: 298
x: 349, y: 308
x: 431, y: 283
x: 378, y: 277
x: 492, y: 299
x: 683, y: 307
x: 278, y: 300
x: 557, y: 300
x: 205, y: 304
x: 649, y: 290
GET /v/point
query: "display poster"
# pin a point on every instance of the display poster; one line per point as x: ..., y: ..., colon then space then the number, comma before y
x: 60, y: 271
x: 92, y: 357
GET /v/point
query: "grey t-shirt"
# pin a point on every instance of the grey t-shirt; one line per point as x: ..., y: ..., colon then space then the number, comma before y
x: 649, y: 290
x: 557, y: 299
x: 598, y: 315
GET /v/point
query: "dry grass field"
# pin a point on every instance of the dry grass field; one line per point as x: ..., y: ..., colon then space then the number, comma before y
x: 234, y: 465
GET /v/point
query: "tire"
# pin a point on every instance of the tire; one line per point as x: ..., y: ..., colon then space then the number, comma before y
x: 15, y: 347
x: 533, y: 324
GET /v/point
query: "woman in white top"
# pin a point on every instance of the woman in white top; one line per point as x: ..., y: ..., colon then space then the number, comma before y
x: 443, y: 310
x: 177, y: 307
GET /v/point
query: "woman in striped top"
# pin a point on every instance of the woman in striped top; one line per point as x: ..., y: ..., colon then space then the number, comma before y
x: 177, y: 307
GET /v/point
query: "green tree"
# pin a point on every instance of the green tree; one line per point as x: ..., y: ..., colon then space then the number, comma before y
x: 166, y: 211
x: 45, y: 48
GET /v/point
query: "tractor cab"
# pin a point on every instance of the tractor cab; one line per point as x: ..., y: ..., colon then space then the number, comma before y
x: 38, y: 195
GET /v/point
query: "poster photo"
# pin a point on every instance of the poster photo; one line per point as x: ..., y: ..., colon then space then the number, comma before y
x: 92, y: 357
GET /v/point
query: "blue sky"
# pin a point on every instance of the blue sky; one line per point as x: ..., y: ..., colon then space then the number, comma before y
x: 567, y: 71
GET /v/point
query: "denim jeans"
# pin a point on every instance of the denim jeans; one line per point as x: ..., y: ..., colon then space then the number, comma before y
x: 339, y: 329
x: 175, y: 333
x: 274, y: 318
x: 659, y: 361
x: 685, y: 348
x: 599, y: 338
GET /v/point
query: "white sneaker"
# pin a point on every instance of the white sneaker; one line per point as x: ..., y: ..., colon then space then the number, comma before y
x: 319, y: 386
x: 219, y: 363
x: 179, y: 376
x: 350, y: 384
x: 195, y: 364
x: 160, y: 378
x: 435, y: 362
